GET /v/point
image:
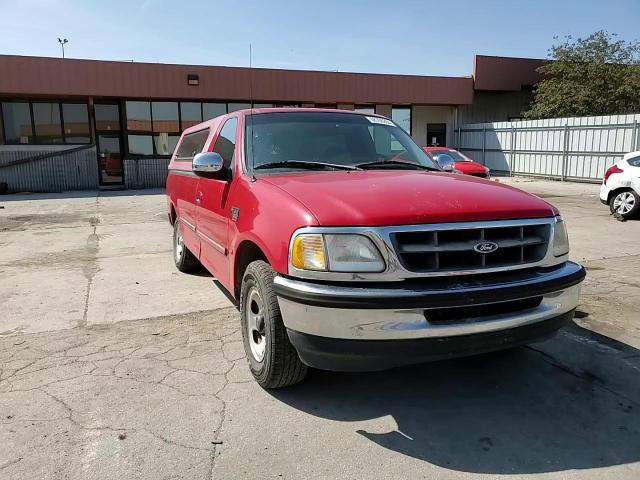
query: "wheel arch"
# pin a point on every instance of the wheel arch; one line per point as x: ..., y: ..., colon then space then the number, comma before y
x: 248, y: 251
x: 616, y: 191
x: 172, y: 213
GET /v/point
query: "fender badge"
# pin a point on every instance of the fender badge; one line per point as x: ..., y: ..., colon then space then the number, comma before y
x: 235, y: 211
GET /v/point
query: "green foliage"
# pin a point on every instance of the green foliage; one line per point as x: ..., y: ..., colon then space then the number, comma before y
x: 597, y: 75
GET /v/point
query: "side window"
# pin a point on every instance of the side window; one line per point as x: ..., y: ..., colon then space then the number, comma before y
x: 226, y: 142
x: 634, y: 161
x: 192, y: 144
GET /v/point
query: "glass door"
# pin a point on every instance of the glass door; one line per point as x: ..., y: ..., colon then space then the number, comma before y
x: 109, y: 143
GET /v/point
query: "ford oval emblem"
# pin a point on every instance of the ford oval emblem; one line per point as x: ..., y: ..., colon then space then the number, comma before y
x: 485, y: 247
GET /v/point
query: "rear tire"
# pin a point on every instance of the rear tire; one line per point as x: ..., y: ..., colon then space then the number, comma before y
x: 273, y: 361
x: 625, y: 203
x: 185, y: 260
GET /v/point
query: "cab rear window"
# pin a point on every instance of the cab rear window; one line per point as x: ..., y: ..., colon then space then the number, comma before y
x: 191, y: 145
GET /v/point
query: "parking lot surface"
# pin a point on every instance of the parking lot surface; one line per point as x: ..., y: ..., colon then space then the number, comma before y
x: 115, y: 365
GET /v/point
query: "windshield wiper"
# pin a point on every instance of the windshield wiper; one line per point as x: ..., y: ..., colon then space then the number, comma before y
x: 305, y: 164
x: 392, y: 163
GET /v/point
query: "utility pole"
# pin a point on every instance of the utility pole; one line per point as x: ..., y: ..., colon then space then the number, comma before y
x: 62, y: 41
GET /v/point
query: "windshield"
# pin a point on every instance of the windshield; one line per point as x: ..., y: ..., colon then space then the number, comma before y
x: 329, y: 138
x: 457, y: 156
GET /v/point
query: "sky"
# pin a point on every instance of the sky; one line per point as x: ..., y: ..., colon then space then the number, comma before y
x: 401, y: 36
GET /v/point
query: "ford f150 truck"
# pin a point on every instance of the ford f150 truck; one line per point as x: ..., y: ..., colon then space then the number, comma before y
x: 348, y: 249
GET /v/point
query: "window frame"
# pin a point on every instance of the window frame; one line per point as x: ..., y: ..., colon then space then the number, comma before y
x: 62, y: 124
x: 58, y: 101
x: 183, y: 136
x: 3, y: 126
x: 33, y: 123
x: 233, y: 160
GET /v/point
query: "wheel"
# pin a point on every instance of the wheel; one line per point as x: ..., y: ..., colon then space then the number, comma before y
x: 273, y: 361
x: 184, y: 259
x: 625, y: 203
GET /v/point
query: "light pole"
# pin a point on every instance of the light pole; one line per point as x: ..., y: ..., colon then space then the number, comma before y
x: 62, y: 41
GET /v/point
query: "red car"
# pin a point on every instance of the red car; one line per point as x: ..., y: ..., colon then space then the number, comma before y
x: 347, y: 249
x: 462, y: 163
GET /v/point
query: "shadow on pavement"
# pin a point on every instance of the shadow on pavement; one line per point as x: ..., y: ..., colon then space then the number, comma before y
x: 570, y: 403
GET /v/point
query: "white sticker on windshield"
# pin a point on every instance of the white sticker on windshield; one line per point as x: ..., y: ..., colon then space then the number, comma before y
x: 381, y: 121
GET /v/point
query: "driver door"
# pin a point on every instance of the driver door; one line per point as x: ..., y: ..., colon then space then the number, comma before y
x: 212, y: 208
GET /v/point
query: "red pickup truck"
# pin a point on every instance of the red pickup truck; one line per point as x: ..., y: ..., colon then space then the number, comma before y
x: 348, y: 249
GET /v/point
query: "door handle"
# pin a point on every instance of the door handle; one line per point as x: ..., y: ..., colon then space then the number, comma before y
x: 198, y: 197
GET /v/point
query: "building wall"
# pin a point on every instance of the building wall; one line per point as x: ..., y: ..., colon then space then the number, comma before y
x: 145, y: 172
x: 495, y: 107
x: 23, y: 75
x: 50, y: 169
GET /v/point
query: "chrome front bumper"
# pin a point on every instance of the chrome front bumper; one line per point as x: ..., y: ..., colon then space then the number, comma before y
x: 379, y: 313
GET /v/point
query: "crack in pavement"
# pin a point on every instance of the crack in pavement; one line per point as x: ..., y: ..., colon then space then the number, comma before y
x: 90, y: 268
x: 164, y: 379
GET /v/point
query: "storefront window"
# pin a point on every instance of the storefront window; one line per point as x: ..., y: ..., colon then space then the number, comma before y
x: 165, y: 144
x: 140, y: 144
x: 165, y: 117
x: 190, y: 114
x: 402, y: 116
x: 153, y: 127
x: 107, y: 117
x: 234, y: 107
x: 213, y: 110
x: 139, y: 116
x: 16, y: 119
x: 53, y: 122
x: 76, y: 123
x: 46, y: 120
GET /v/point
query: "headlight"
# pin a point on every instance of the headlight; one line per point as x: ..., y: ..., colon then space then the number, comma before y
x: 335, y: 253
x: 560, y: 238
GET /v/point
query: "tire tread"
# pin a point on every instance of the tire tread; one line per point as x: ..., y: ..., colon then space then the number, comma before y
x: 284, y: 366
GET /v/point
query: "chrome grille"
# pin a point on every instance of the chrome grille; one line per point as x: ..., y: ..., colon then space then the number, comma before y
x: 453, y: 249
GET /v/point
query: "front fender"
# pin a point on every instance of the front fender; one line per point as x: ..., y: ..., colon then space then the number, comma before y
x: 267, y: 216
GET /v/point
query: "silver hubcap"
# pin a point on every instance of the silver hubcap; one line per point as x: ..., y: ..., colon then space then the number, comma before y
x: 179, y: 244
x: 624, y: 202
x: 255, y: 324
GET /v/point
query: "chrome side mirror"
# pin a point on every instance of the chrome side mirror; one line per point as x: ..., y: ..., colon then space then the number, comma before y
x: 207, y: 164
x: 446, y: 163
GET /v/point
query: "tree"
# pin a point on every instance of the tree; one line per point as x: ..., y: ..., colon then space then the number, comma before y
x: 597, y: 75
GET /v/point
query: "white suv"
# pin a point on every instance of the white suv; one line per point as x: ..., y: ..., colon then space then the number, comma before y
x: 621, y: 186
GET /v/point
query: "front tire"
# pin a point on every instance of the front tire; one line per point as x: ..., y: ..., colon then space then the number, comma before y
x: 625, y: 204
x: 273, y: 361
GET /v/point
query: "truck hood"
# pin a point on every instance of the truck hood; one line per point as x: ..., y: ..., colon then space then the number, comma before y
x: 379, y: 197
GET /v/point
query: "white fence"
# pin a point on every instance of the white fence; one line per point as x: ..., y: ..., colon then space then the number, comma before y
x: 563, y: 148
